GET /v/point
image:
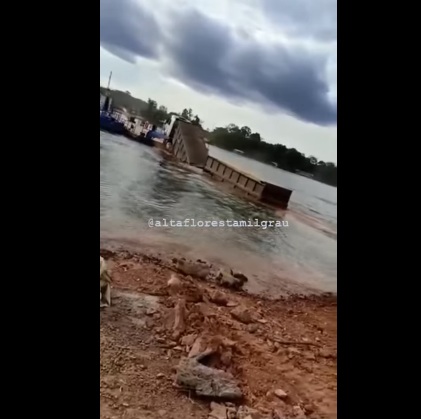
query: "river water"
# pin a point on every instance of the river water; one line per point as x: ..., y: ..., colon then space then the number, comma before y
x: 137, y: 185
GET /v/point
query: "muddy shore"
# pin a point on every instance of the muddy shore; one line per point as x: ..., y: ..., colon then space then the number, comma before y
x: 282, y: 353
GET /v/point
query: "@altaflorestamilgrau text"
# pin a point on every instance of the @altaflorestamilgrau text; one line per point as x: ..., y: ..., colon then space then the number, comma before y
x: 192, y: 222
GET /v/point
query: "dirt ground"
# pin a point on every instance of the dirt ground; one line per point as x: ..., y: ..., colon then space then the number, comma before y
x: 288, y: 344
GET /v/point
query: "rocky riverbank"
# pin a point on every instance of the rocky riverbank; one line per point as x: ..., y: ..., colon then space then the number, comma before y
x: 182, y: 340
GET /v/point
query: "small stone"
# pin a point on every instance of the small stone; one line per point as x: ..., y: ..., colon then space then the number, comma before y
x: 278, y: 414
x: 162, y: 413
x: 307, y: 368
x: 280, y: 393
x: 196, y: 348
x: 226, y: 358
x: 242, y: 314
x: 174, y: 285
x: 149, y: 323
x: 188, y: 340
x: 218, y: 411
x: 310, y: 356
x: 293, y: 351
x: 219, y: 298
x: 231, y: 413
x: 298, y: 412
x: 160, y: 375
x: 325, y: 353
x: 245, y: 412
x: 309, y: 409
x: 252, y: 328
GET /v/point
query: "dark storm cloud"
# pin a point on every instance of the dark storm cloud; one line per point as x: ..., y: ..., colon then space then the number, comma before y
x: 304, y: 18
x: 207, y: 55
x: 127, y: 30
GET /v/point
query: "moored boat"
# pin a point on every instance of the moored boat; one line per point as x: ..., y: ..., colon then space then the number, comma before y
x: 108, y: 123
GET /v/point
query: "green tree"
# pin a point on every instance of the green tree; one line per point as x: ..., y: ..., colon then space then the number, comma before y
x: 245, y: 131
x: 313, y: 160
x: 152, y: 106
x: 154, y: 114
x: 255, y: 137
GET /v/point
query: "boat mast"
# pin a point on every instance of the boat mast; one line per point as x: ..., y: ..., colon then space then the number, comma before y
x: 107, y: 103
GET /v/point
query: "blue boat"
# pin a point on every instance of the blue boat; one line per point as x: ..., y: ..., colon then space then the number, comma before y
x: 108, y: 123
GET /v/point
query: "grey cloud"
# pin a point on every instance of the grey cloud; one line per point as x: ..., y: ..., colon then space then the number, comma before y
x: 207, y: 55
x: 127, y: 30
x: 199, y: 52
x: 304, y: 18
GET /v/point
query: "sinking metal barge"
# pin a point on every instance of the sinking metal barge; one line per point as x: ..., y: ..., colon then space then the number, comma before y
x: 265, y: 192
x: 189, y: 147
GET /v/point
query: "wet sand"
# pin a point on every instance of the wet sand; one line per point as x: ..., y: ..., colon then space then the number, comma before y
x: 289, y: 345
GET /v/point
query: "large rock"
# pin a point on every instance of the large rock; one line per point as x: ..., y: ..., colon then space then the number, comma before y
x: 196, y: 269
x: 227, y: 280
x: 239, y: 276
x: 207, y: 382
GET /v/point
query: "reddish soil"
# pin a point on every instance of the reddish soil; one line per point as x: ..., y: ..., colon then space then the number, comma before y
x: 290, y: 345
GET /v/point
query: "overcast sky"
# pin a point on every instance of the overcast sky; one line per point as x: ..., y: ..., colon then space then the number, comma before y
x: 267, y: 64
